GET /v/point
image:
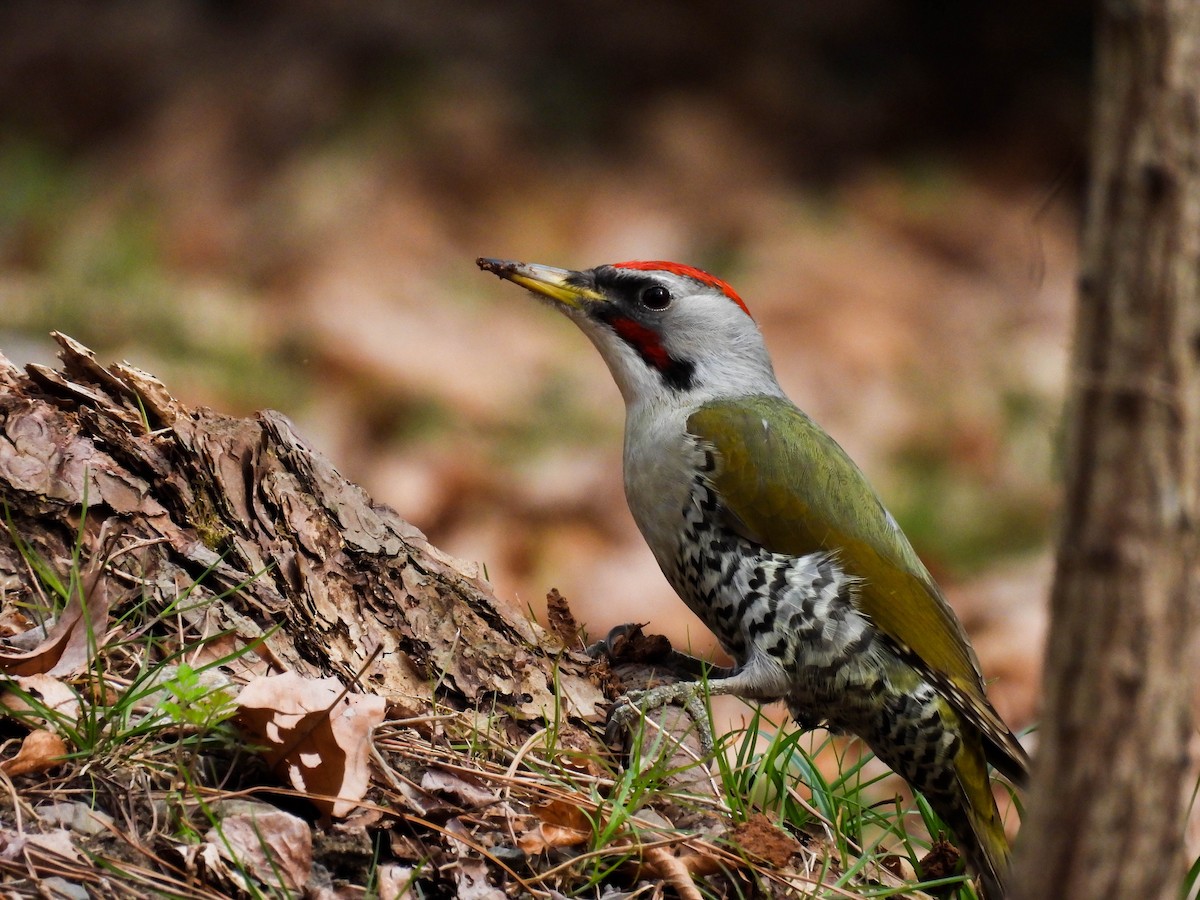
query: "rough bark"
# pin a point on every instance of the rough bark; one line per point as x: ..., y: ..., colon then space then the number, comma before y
x: 1106, y: 810
x: 244, y: 506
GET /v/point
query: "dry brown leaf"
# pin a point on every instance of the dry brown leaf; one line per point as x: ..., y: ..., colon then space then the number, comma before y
x: 53, y: 694
x: 272, y: 846
x: 470, y: 872
x: 56, y: 842
x: 40, y: 751
x: 560, y: 824
x: 453, y: 786
x: 69, y: 647
x: 13, y: 620
x: 228, y: 650
x: 394, y: 881
x: 76, y: 816
x: 318, y: 745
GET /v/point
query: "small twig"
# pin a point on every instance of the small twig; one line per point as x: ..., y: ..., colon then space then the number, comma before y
x: 381, y: 764
x: 807, y: 806
x: 16, y: 799
x: 130, y: 547
x: 511, y: 771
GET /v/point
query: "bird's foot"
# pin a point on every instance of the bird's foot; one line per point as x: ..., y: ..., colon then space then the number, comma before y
x: 636, y: 704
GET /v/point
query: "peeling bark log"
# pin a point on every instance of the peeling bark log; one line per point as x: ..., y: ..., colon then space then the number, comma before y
x: 243, y: 512
x: 103, y: 473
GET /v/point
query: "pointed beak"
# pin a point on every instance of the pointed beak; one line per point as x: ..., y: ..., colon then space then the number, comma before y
x: 561, y: 285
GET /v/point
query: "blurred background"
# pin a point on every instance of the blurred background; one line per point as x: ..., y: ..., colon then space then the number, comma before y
x: 279, y: 205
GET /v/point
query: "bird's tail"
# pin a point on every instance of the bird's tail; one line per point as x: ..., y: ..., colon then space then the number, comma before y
x: 977, y: 823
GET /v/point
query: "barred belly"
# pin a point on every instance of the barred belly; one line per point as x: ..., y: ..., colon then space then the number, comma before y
x: 793, y: 619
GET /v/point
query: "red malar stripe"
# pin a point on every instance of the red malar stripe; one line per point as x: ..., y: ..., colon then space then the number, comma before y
x: 644, y: 341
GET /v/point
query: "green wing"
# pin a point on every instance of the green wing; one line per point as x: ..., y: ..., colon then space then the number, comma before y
x: 788, y: 486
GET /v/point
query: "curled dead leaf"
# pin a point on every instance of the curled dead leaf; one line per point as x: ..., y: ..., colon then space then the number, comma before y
x: 75, y: 637
x: 272, y: 846
x: 453, y: 786
x: 40, y: 752
x: 57, y: 842
x: 673, y: 871
x: 560, y: 824
x: 47, y: 690
x: 316, y: 736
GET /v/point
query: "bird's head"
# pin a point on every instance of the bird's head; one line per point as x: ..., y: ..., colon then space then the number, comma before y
x: 669, y: 332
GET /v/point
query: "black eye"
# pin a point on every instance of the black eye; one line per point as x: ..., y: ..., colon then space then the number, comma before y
x: 655, y: 297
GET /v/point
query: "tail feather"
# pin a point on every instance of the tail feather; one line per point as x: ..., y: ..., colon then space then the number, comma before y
x: 1005, y: 753
x: 976, y: 821
x: 989, y: 857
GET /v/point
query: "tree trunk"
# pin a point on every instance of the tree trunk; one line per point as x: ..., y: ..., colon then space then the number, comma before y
x: 1106, y: 809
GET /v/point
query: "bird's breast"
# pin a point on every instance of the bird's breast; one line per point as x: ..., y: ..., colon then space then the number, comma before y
x: 795, y: 610
x: 661, y: 463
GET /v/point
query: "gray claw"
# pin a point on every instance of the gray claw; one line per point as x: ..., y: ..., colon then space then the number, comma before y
x: 637, y: 704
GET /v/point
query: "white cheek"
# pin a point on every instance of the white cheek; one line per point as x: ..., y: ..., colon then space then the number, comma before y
x: 636, y: 380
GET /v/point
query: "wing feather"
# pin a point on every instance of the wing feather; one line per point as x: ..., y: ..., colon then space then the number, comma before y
x: 788, y: 486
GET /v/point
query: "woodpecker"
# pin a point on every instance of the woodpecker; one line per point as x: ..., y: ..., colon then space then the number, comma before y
x: 771, y: 534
